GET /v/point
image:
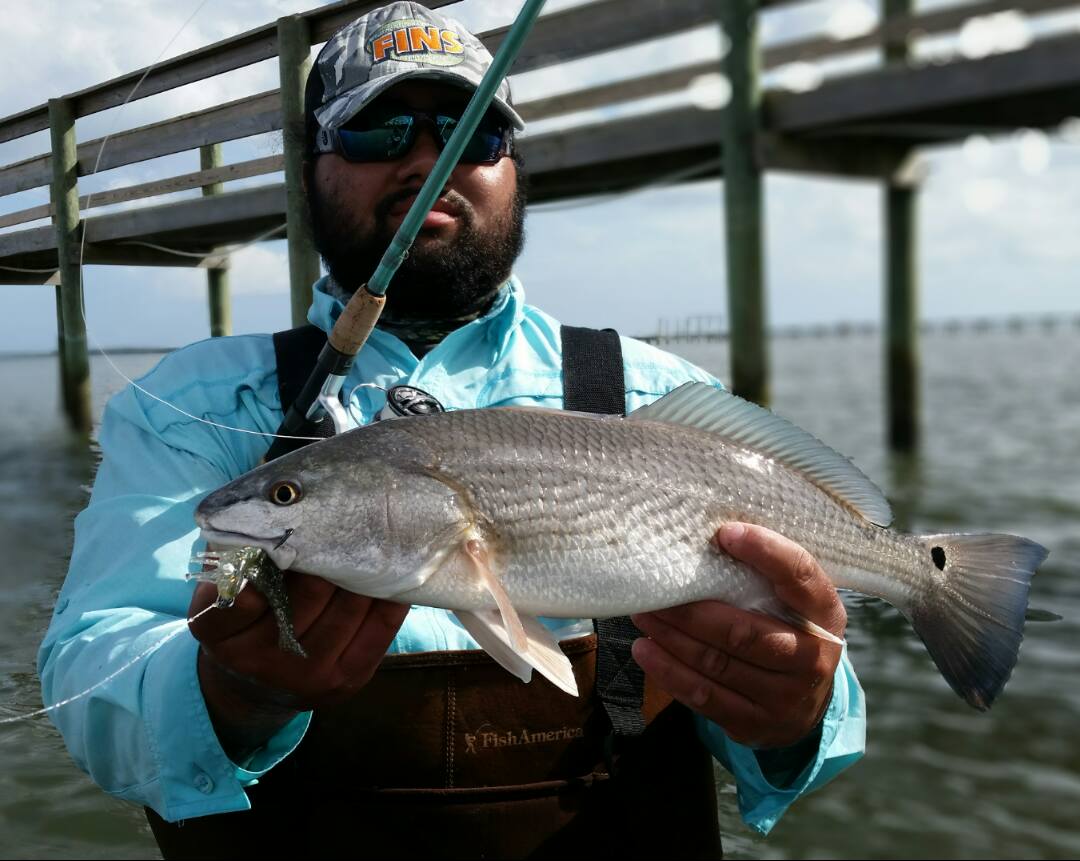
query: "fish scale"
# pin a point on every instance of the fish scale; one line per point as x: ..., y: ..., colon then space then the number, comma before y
x: 504, y: 515
x: 640, y: 509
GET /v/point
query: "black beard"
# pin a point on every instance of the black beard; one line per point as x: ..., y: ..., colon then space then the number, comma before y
x: 431, y: 284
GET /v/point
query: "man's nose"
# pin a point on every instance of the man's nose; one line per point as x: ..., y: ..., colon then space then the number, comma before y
x: 421, y: 157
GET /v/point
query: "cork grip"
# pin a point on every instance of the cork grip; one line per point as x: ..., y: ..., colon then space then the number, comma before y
x: 356, y: 322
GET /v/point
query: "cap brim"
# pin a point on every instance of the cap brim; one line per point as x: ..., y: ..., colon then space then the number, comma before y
x: 338, y: 111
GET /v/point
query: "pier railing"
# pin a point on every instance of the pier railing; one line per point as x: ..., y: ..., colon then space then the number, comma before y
x: 864, y: 125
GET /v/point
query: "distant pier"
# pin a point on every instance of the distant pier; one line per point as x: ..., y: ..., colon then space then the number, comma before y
x: 699, y: 328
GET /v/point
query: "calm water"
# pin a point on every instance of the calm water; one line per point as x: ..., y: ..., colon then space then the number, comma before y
x: 1001, y: 452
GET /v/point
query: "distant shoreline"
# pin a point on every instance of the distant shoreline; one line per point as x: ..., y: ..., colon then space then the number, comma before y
x: 112, y: 351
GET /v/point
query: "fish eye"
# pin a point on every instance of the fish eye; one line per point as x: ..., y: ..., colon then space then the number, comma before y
x: 285, y: 493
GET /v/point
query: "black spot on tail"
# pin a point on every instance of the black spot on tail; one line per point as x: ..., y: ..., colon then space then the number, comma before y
x: 938, y: 555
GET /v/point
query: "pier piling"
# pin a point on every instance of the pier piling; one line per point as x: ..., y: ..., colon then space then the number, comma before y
x: 743, y: 203
x: 74, y: 357
x: 294, y: 62
x: 217, y: 277
x: 901, y: 280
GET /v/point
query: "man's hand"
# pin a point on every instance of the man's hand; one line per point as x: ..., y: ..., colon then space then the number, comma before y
x: 252, y: 688
x: 764, y: 682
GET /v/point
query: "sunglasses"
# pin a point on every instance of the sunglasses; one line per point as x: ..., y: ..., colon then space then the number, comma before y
x: 385, y: 134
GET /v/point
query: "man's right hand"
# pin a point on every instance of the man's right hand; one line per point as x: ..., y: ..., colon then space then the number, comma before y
x: 252, y: 688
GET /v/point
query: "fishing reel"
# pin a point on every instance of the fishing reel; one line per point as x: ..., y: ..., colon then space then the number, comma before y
x: 401, y: 402
x: 405, y: 401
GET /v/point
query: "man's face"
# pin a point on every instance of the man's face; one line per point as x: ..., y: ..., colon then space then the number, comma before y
x: 467, y: 244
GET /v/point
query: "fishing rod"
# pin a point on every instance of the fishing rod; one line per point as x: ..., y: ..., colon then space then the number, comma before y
x: 320, y: 395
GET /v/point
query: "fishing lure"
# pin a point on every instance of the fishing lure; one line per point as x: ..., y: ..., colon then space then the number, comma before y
x: 231, y: 569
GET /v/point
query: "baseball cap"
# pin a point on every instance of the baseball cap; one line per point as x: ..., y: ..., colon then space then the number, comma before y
x: 397, y: 42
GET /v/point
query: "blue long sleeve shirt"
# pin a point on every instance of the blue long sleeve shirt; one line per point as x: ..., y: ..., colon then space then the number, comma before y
x: 145, y: 735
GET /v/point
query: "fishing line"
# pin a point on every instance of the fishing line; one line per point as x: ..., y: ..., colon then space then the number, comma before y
x: 24, y: 269
x: 82, y: 251
x: 143, y: 654
x: 220, y: 251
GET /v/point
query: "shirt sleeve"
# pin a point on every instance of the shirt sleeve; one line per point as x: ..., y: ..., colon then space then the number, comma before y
x: 843, y: 740
x: 143, y: 732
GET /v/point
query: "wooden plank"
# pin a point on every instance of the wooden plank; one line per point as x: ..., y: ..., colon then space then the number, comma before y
x: 243, y: 50
x: 27, y: 241
x: 918, y: 133
x: 855, y: 158
x: 602, y: 26
x: 22, y: 175
x: 184, y: 182
x: 625, y: 175
x: 233, y: 216
x: 208, y: 214
x: 902, y: 27
x: 613, y: 93
x: 22, y: 216
x: 131, y: 254
x: 888, y: 94
x: 237, y: 119
x: 326, y: 21
x: 632, y: 137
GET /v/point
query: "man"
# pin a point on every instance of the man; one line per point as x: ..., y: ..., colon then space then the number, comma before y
x: 348, y: 747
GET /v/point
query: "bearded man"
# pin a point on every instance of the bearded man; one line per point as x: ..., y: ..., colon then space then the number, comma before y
x: 396, y: 734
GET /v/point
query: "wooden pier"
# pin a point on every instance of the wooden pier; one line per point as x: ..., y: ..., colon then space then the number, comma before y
x: 866, y: 125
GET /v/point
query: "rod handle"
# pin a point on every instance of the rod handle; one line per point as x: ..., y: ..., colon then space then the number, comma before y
x: 356, y: 322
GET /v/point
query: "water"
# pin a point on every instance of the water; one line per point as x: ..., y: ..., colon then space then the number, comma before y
x: 1001, y: 452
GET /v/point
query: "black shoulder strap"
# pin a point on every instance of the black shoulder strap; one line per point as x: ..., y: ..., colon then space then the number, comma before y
x: 593, y: 379
x: 594, y: 382
x: 296, y: 351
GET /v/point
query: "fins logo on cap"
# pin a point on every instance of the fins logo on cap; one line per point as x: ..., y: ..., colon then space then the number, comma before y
x: 415, y: 41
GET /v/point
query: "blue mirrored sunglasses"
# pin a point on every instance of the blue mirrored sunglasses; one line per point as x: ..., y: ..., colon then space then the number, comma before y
x: 387, y: 134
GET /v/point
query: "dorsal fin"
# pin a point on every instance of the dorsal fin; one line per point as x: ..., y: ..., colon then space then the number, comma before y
x: 707, y: 408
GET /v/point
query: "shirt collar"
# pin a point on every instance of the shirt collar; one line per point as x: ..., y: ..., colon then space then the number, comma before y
x: 497, y: 325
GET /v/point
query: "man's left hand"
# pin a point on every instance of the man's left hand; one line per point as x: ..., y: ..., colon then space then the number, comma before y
x: 764, y: 682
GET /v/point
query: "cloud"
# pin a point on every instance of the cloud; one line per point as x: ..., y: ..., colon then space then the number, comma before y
x: 260, y: 270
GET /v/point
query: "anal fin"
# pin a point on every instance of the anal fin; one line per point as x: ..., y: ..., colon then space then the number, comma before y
x: 778, y: 609
x: 541, y: 652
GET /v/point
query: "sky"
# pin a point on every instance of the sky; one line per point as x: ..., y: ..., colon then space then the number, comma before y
x: 998, y: 227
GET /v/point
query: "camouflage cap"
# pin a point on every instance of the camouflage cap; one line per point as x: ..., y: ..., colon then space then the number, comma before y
x: 394, y: 43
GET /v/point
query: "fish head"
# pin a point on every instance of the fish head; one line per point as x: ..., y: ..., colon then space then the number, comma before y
x: 361, y: 517
x: 263, y: 508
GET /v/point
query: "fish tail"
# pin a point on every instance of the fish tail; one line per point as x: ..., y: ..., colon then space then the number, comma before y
x: 971, y: 617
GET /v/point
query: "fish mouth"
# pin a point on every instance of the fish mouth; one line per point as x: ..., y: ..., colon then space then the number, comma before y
x: 276, y: 546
